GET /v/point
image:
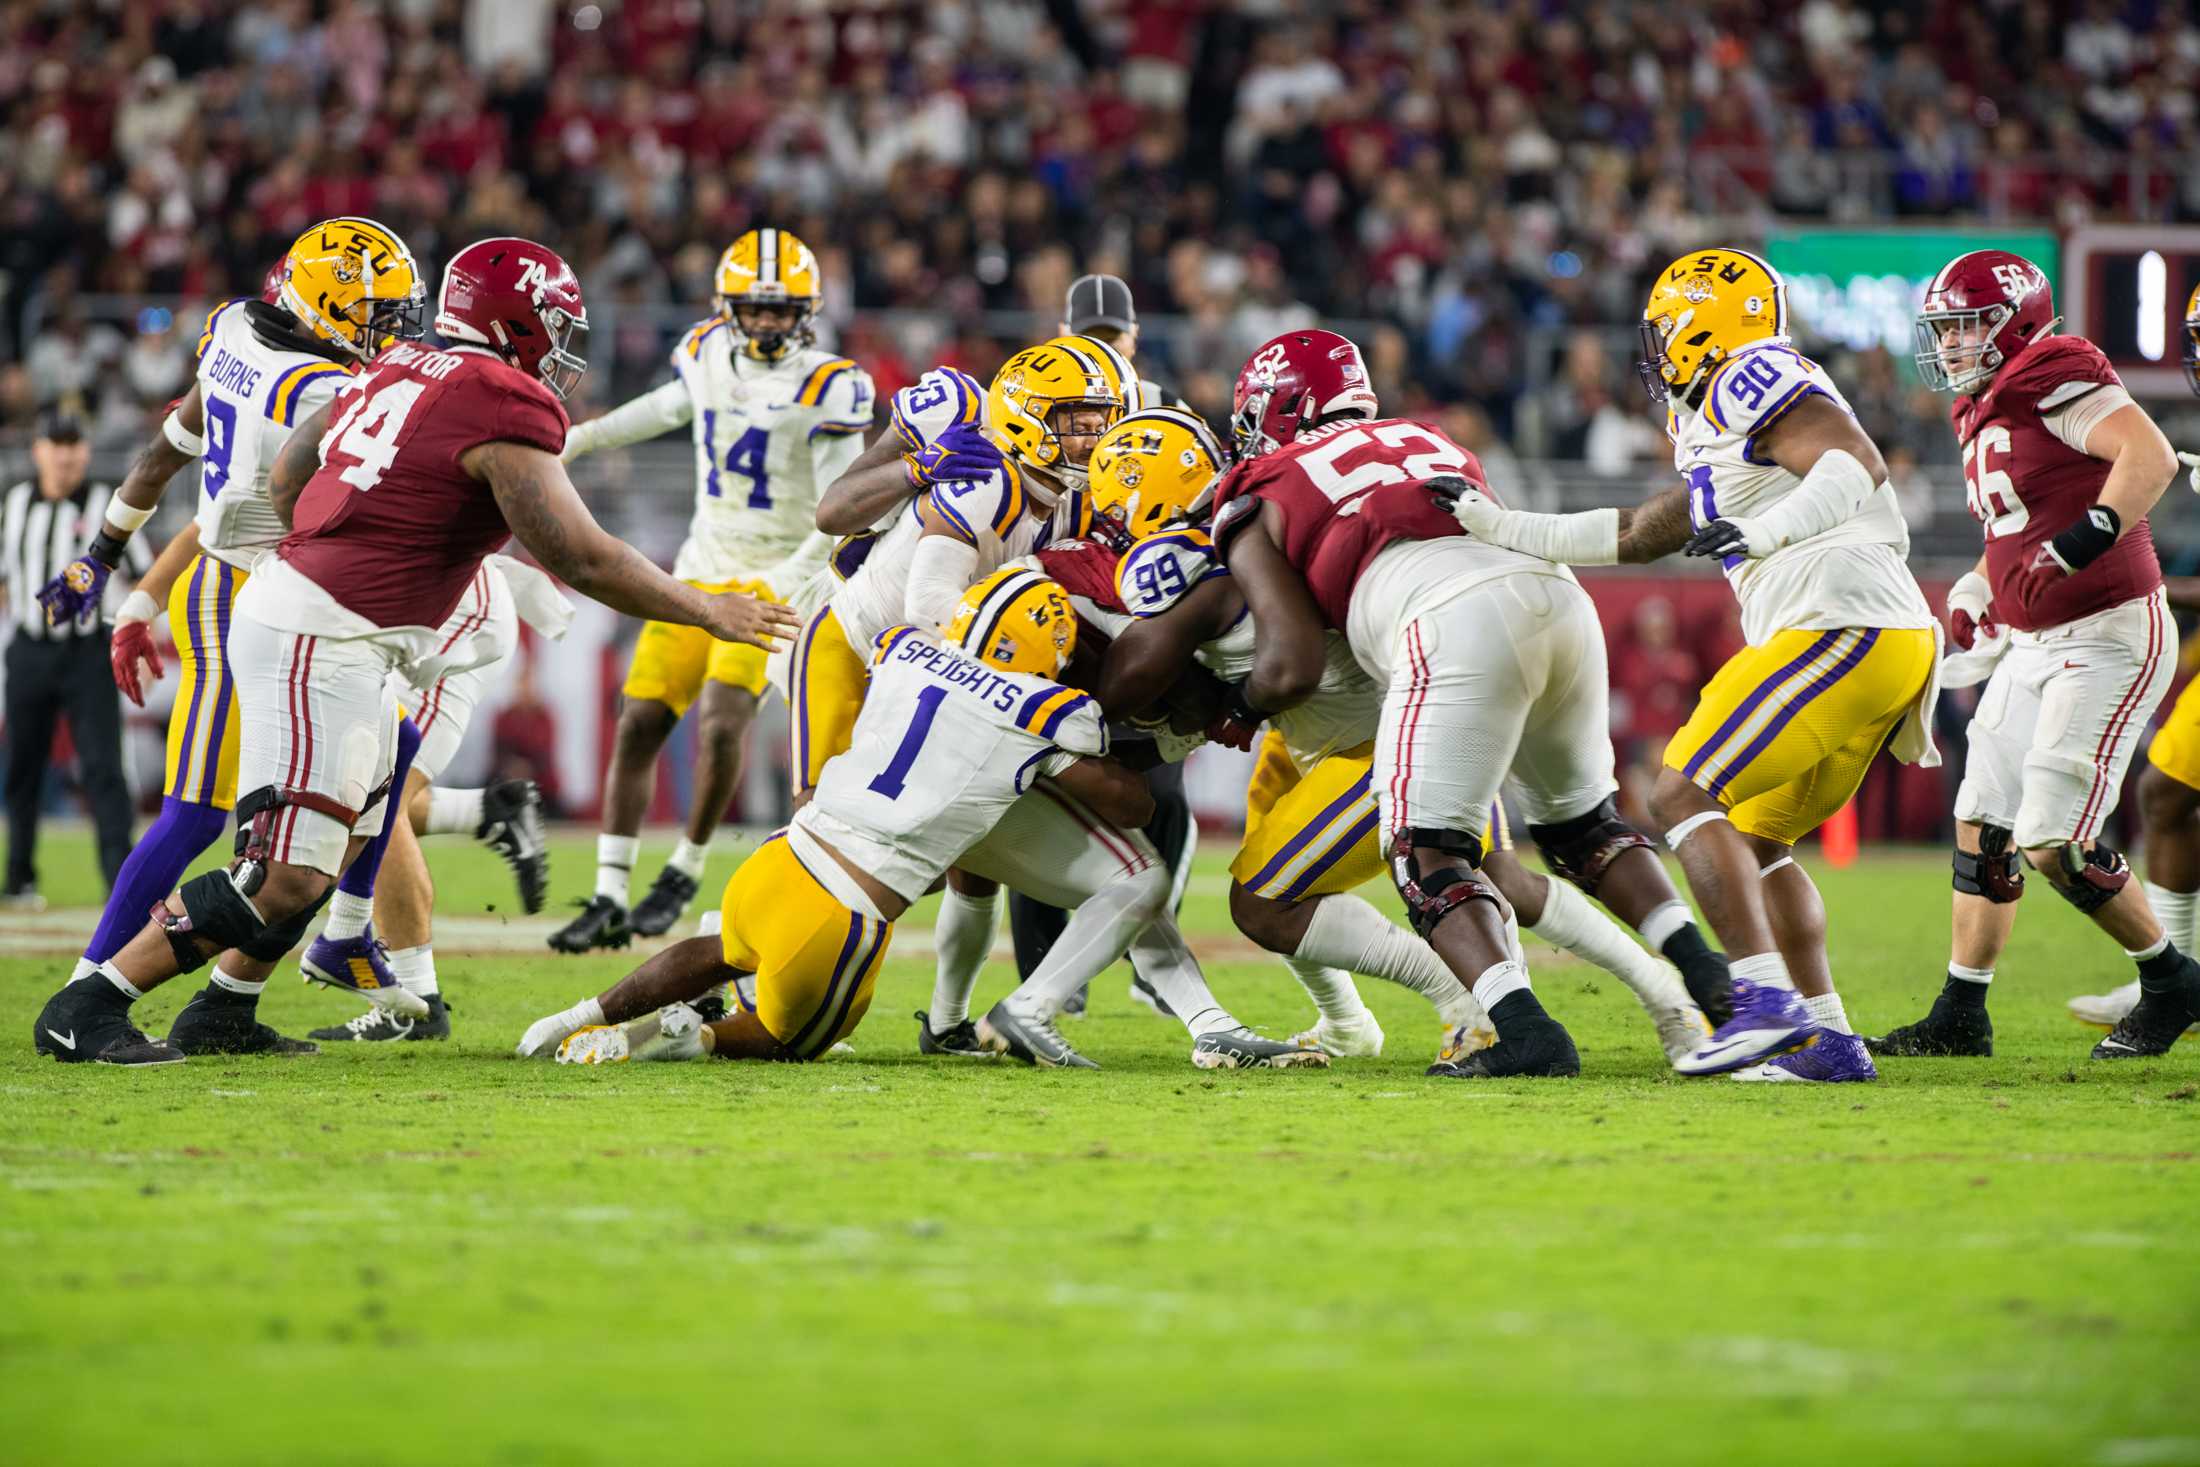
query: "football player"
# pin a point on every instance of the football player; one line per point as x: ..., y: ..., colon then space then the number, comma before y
x: 1493, y: 663
x: 437, y: 457
x: 1310, y: 819
x: 2169, y: 787
x: 264, y: 366
x: 2061, y: 468
x: 775, y: 419
x: 1790, y: 494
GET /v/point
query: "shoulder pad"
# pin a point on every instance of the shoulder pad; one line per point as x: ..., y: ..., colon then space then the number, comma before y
x: 932, y: 404
x: 690, y: 348
x: 294, y: 394
x: 206, y: 332
x: 2051, y: 363
x: 1063, y: 717
x: 975, y: 507
x: 1749, y: 390
x: 820, y: 383
x: 1232, y: 516
x: 1161, y: 570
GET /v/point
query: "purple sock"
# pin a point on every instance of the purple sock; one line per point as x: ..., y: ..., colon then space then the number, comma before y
x: 358, y: 877
x: 158, y: 861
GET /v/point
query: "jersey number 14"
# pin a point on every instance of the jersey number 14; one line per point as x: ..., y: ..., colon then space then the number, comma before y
x: 744, y: 456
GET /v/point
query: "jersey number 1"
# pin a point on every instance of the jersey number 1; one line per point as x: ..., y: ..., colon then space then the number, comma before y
x: 895, y: 776
x: 744, y: 456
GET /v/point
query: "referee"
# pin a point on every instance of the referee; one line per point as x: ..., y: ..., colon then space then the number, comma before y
x: 51, y: 670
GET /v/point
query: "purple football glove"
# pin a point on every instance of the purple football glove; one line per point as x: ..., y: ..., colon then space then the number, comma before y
x: 962, y: 452
x: 79, y: 586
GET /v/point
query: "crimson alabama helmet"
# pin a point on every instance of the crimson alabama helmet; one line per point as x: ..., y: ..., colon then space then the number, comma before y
x: 1978, y: 312
x: 1293, y: 382
x: 520, y: 300
x: 271, y: 285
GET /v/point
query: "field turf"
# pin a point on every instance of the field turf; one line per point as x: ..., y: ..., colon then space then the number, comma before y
x: 437, y: 1254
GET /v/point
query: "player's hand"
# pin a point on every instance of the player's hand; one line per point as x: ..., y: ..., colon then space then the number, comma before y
x: 1476, y: 512
x: 79, y: 586
x: 132, y: 655
x: 1735, y: 536
x: 1968, y: 600
x: 735, y: 616
x: 2192, y: 462
x: 962, y: 452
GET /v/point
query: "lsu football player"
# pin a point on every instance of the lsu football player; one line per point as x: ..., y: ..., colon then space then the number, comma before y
x: 1787, y: 491
x: 2169, y: 787
x: 346, y: 287
x: 775, y: 419
x: 1310, y: 825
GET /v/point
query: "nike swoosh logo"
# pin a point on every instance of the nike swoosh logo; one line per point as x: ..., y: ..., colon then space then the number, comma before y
x: 1724, y: 1048
x: 66, y: 1041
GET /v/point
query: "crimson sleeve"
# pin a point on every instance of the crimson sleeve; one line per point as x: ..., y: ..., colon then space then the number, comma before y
x: 531, y: 415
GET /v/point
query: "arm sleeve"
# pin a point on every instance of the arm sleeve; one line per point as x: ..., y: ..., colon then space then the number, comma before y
x: 659, y: 410
x: 2072, y: 415
x: 940, y: 570
x: 1834, y: 490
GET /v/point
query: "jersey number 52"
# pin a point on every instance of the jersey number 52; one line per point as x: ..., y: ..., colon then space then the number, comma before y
x: 1373, y: 459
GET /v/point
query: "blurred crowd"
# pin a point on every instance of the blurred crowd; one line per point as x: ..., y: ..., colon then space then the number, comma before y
x: 1452, y: 174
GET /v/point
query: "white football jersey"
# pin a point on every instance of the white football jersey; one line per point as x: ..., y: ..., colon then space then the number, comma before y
x: 1856, y: 574
x: 943, y: 746
x: 253, y: 395
x: 769, y: 438
x: 1342, y: 713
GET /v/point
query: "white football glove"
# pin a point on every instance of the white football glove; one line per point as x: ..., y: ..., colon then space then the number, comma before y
x: 2192, y: 462
x: 1479, y: 515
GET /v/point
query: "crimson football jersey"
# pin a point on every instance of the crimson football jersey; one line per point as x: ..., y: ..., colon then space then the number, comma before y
x: 1347, y: 491
x: 2026, y: 486
x: 392, y: 525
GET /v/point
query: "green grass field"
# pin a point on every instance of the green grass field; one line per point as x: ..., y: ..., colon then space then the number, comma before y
x: 437, y: 1254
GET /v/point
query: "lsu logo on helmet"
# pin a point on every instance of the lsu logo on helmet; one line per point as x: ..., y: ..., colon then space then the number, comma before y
x: 353, y: 283
x: 1153, y: 469
x: 1705, y: 307
x: 771, y: 267
x: 1016, y: 620
x: 1040, y: 383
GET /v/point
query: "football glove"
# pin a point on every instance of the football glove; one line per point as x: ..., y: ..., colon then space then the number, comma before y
x: 962, y: 452
x: 1968, y: 600
x: 1733, y: 536
x: 136, y: 661
x: 1477, y: 514
x: 79, y: 587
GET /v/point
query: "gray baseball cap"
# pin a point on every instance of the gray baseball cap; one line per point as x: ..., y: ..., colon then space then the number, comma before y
x: 1099, y: 300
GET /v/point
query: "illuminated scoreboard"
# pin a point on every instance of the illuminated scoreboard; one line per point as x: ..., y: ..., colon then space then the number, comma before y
x: 2124, y: 287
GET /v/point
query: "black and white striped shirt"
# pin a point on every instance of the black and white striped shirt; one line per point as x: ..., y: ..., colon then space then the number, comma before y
x: 38, y: 536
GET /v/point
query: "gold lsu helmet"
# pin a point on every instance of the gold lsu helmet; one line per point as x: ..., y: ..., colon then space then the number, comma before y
x: 1068, y: 372
x: 2192, y: 340
x: 1706, y: 306
x: 1018, y: 621
x: 353, y: 283
x: 1152, y: 469
x: 771, y: 267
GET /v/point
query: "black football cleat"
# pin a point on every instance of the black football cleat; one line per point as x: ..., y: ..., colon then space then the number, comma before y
x: 666, y: 903
x: 602, y: 923
x: 377, y: 1026
x: 1946, y: 1031
x: 959, y: 1040
x: 511, y: 825
x: 227, y: 1023
x: 2157, y: 1022
x: 88, y: 1022
x: 1538, y: 1048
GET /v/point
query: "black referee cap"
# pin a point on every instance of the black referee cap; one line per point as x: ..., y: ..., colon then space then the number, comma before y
x: 1099, y: 300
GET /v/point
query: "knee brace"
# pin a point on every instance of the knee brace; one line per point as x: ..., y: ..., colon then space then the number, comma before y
x: 215, y: 911
x: 256, y: 816
x: 2091, y: 878
x: 1996, y: 872
x: 275, y: 940
x: 1432, y: 897
x: 1583, y: 849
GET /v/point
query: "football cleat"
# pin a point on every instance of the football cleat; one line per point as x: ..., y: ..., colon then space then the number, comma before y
x: 1682, y: 1029
x: 1836, y: 1059
x: 380, y: 1025
x: 666, y: 903
x: 1029, y: 1038
x: 1765, y: 1022
x: 1242, y: 1049
x: 1461, y: 1040
x: 602, y: 923
x: 2105, y: 1010
x: 598, y: 1044
x: 1075, y: 1005
x: 88, y: 1022
x: 1945, y: 1031
x: 360, y: 966
x: 2157, y: 1021
x: 216, y: 1024
x: 1361, y: 1039
x: 1538, y: 1049
x: 511, y: 825
x: 957, y: 1039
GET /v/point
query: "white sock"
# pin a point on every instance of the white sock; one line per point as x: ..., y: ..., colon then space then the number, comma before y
x: 1980, y: 976
x: 1500, y: 981
x: 1571, y: 921
x: 85, y: 968
x: 1346, y: 932
x: 2153, y: 949
x: 453, y: 812
x: 2179, y: 912
x: 585, y: 1014
x: 1767, y: 970
x: 1658, y: 927
x: 1826, y: 1009
x: 130, y: 990
x: 1097, y: 933
x: 615, y: 865
x: 347, y: 916
x: 1166, y: 960
x: 687, y: 858
x: 962, y: 938
x: 222, y: 980
x: 1331, y: 989
x: 415, y: 969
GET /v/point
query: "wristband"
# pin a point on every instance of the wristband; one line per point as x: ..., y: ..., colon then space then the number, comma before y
x: 181, y: 438
x: 2086, y: 540
x: 136, y: 607
x: 125, y: 519
x: 106, y: 548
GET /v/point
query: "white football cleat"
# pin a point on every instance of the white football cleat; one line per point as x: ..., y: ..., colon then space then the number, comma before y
x: 598, y: 1044
x: 2105, y: 1010
x: 1361, y: 1039
x: 1682, y: 1029
x: 1461, y: 1040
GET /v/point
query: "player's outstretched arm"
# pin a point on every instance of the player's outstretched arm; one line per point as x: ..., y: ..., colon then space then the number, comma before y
x: 867, y: 490
x: 1115, y: 792
x: 84, y: 580
x: 1589, y: 537
x: 546, y: 515
x: 1840, y: 469
x: 1151, y: 654
x: 1290, y: 654
x: 659, y: 410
